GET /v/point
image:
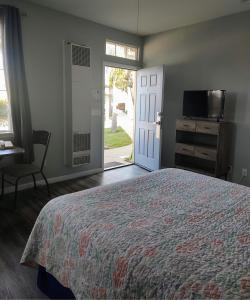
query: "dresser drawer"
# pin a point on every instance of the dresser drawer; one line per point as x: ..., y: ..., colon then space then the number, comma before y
x: 184, y: 149
x: 207, y: 127
x: 185, y: 125
x: 206, y: 153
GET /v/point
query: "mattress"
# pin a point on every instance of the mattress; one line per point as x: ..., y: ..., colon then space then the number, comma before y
x: 170, y: 234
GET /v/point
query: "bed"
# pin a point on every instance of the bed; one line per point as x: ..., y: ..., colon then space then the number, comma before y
x: 170, y: 234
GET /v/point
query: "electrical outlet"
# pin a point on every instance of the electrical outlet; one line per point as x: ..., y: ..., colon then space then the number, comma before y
x: 244, y: 172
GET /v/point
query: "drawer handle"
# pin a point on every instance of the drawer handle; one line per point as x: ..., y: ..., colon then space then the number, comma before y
x: 185, y: 149
x: 208, y: 128
x: 185, y: 125
x: 204, y: 153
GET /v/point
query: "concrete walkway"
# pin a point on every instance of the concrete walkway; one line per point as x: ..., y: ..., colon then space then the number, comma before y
x: 116, y: 156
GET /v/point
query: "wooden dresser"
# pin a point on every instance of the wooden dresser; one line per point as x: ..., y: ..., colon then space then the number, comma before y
x: 203, y: 146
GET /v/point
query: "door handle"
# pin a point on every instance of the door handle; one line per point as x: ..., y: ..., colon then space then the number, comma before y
x: 157, y: 123
x: 159, y: 118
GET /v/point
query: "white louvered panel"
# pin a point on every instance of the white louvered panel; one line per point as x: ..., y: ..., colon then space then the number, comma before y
x: 80, y: 56
x: 77, y: 103
x: 81, y: 141
x: 81, y: 148
x: 81, y: 158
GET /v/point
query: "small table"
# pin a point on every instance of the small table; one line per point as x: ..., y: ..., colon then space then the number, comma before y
x: 11, y: 152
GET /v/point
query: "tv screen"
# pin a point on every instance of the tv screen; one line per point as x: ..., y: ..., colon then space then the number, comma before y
x: 204, y: 104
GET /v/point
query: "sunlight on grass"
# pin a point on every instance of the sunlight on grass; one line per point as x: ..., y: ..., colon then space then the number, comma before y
x: 116, y: 139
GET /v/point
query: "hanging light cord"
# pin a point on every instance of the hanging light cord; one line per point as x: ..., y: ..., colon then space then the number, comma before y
x: 138, y: 15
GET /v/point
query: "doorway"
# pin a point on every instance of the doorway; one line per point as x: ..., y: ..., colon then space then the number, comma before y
x: 119, y: 116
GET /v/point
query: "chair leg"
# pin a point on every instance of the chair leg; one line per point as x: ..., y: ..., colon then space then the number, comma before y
x: 16, y: 191
x: 2, y: 185
x: 34, y: 180
x: 46, y: 181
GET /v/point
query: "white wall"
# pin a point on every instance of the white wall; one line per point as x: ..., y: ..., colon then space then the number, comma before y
x: 210, y: 55
x: 43, y: 33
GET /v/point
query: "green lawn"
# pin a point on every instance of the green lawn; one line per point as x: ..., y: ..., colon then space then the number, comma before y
x: 116, y: 139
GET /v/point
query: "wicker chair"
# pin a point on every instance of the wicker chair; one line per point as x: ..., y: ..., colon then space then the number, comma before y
x: 19, y: 171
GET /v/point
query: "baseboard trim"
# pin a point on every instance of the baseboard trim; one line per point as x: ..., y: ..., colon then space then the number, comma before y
x: 28, y: 185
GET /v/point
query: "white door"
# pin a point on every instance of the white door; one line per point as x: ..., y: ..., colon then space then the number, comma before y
x: 148, y: 117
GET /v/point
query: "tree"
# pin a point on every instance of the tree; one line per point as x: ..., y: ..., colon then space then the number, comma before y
x: 123, y: 80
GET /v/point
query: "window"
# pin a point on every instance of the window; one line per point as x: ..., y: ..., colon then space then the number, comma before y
x: 5, y: 112
x: 122, y: 50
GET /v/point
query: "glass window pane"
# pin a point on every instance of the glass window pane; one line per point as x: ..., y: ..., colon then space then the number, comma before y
x: 3, y: 95
x: 110, y: 49
x: 132, y: 53
x: 4, y: 114
x: 120, y: 51
x: 1, y: 60
x: 2, y: 80
x: 1, y: 52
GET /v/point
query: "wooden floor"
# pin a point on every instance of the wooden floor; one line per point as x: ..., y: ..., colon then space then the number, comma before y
x: 17, y: 281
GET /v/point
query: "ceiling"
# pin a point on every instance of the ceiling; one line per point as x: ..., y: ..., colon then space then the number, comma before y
x: 154, y: 15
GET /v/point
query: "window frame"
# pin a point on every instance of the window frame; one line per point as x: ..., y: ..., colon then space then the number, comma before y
x: 6, y: 133
x: 116, y: 43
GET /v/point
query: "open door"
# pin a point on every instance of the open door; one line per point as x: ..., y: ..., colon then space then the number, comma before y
x: 119, y: 116
x: 149, y: 102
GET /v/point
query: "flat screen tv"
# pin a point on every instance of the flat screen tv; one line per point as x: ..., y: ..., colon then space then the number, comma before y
x: 204, y: 104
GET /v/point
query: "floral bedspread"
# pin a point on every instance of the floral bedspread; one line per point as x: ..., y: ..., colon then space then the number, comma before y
x: 171, y: 234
